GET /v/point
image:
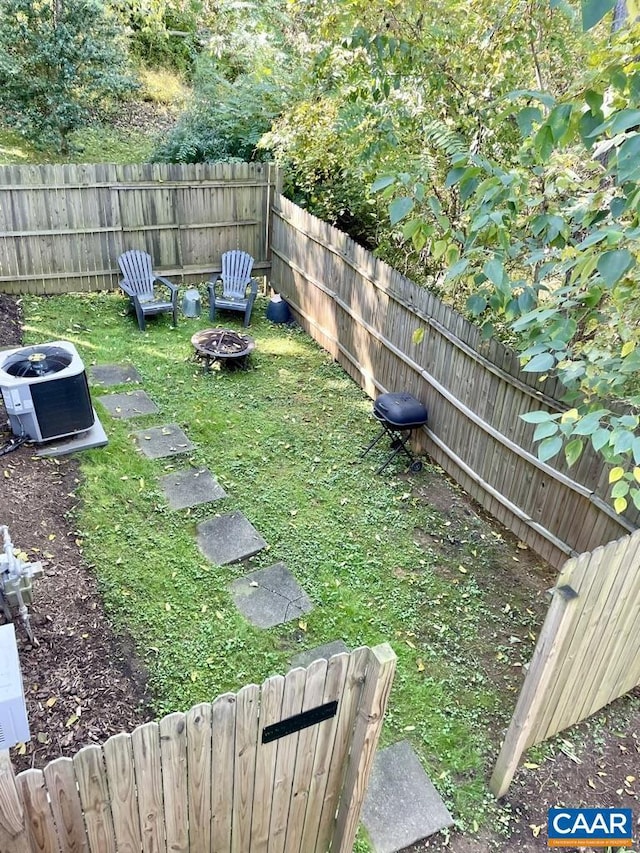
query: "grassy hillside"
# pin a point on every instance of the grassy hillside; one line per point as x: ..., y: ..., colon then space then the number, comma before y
x: 128, y: 136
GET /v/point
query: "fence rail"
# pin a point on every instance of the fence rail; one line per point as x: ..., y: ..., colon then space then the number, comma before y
x: 209, y: 780
x: 365, y: 314
x: 62, y: 228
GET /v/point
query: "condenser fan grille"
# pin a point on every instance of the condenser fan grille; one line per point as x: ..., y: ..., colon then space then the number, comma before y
x: 33, y: 362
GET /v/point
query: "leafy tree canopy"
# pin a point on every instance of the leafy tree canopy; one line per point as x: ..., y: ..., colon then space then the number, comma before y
x: 58, y: 60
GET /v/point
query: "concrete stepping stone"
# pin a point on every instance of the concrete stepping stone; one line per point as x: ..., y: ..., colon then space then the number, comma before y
x: 132, y: 404
x: 114, y: 374
x: 191, y: 487
x: 326, y: 651
x: 270, y: 596
x: 157, y: 442
x: 229, y: 538
x: 401, y: 805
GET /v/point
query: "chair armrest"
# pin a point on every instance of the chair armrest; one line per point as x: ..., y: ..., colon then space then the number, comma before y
x: 172, y: 287
x: 254, y: 286
x: 124, y: 286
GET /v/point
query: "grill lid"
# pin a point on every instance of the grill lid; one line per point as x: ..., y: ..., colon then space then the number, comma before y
x: 400, y: 409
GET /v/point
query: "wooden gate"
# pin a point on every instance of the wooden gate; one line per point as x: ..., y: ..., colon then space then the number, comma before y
x: 281, y: 768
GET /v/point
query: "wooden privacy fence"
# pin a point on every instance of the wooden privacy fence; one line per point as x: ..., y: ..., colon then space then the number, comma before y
x: 62, y: 228
x: 365, y: 314
x: 588, y: 652
x: 281, y: 768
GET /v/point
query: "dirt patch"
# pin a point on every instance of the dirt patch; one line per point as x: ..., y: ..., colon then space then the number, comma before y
x: 82, y: 681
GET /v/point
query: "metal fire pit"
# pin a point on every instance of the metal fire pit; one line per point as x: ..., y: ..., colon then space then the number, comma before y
x: 222, y: 345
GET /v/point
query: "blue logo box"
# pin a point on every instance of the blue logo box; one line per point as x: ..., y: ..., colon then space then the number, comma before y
x: 590, y: 827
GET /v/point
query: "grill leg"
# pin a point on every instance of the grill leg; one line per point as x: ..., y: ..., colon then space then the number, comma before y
x: 374, y: 442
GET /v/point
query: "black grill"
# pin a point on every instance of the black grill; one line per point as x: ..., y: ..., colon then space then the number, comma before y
x: 398, y: 415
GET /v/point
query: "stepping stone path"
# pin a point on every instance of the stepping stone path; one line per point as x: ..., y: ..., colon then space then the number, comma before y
x: 326, y: 651
x: 132, y: 404
x: 401, y: 805
x: 191, y: 487
x: 114, y: 374
x: 267, y: 597
x: 229, y: 538
x: 157, y: 442
x: 270, y: 596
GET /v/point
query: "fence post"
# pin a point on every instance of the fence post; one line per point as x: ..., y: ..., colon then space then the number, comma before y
x: 534, y: 690
x: 368, y: 725
x: 13, y: 833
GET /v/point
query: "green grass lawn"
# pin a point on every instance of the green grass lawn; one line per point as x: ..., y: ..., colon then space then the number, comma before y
x: 283, y: 439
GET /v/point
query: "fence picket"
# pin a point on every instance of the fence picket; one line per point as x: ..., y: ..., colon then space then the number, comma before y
x: 199, y: 777
x: 118, y: 756
x: 270, y: 713
x: 244, y: 767
x: 65, y: 805
x: 14, y: 837
x: 39, y: 818
x: 173, y: 755
x: 145, y: 741
x: 91, y: 778
x: 223, y: 746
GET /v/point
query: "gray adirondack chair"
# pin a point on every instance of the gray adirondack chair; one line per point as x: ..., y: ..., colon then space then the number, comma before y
x: 234, y: 289
x: 138, y: 283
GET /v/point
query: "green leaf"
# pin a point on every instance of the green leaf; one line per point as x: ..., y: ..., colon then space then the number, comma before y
x: 573, y: 451
x: 549, y: 447
x: 589, y: 423
x: 494, y: 271
x: 457, y: 269
x: 599, y: 438
x: 544, y: 142
x: 382, y: 183
x: 613, y: 265
x: 624, y: 120
x: 593, y: 11
x: 594, y: 100
x: 540, y: 363
x: 418, y: 336
x: 410, y: 228
x: 635, y: 496
x: 476, y: 304
x: 532, y: 95
x: 399, y: 208
x: 454, y: 176
x: 545, y: 430
x: 526, y: 118
x: 559, y: 120
x: 628, y: 161
x: 623, y: 442
x: 537, y: 417
x: 620, y: 489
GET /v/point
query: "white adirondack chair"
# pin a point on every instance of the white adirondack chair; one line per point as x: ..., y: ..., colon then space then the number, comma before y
x: 234, y: 289
x: 139, y: 284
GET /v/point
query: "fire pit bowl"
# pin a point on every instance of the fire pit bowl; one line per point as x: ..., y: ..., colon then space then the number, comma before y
x: 222, y: 345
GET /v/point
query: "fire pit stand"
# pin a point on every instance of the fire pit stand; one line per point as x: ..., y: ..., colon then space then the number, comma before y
x: 222, y: 345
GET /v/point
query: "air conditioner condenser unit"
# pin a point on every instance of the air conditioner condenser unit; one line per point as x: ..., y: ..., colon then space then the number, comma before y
x: 45, y: 391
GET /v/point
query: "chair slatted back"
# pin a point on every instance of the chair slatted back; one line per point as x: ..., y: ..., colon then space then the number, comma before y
x: 137, y: 270
x: 236, y: 273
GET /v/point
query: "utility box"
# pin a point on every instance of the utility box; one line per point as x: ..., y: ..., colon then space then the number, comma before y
x: 14, y: 726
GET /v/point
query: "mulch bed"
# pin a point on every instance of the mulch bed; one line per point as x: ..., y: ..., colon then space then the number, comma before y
x: 82, y: 681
